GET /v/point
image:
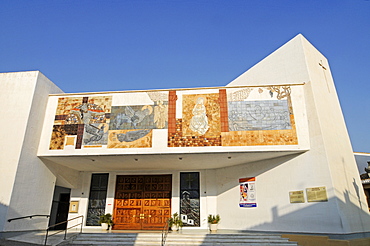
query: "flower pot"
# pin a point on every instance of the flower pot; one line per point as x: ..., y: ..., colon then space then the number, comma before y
x: 213, y: 227
x: 104, y: 226
x: 174, y: 228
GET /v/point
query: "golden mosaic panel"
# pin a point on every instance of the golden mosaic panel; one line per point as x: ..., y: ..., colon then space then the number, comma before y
x: 64, y: 108
x: 130, y: 139
x: 263, y: 137
x: 201, y: 115
x: 65, y: 104
x: 57, y: 138
x: 103, y: 102
x: 178, y: 140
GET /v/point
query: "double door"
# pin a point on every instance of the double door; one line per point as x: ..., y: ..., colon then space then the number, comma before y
x: 142, y: 202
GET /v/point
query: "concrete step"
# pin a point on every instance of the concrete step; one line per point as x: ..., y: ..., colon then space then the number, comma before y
x: 177, y: 239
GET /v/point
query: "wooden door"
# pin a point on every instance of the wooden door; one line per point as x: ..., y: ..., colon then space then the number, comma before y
x: 142, y: 202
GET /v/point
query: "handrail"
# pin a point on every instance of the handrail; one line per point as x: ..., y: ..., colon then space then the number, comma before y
x: 30, y: 216
x: 165, y: 232
x: 65, y: 230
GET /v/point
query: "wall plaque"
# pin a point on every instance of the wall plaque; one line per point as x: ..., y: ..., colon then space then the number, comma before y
x: 296, y: 196
x: 73, y: 207
x: 317, y: 194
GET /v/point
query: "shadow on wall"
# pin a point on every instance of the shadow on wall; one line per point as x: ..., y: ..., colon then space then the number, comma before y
x: 279, y: 222
x: 321, y: 216
x: 4, y: 233
x: 254, y: 169
x: 3, y: 213
x: 26, y: 224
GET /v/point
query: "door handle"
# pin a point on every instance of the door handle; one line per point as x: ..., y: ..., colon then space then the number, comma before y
x: 142, y: 216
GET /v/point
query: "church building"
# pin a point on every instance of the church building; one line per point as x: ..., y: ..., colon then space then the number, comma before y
x: 268, y: 151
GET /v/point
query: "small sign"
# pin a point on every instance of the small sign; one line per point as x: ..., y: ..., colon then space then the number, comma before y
x: 317, y: 194
x: 184, y: 218
x: 296, y: 196
x: 73, y: 207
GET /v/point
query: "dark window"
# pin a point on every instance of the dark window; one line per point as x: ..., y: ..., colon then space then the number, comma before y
x: 189, y: 194
x: 97, y: 198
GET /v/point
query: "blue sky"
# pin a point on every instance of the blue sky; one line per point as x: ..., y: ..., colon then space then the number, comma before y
x: 111, y: 45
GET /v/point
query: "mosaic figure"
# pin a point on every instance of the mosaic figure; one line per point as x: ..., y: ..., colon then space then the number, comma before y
x: 131, y: 116
x: 199, y: 121
x: 132, y: 135
x: 259, y: 115
x: 160, y: 115
x: 130, y: 138
x: 86, y: 113
x: 239, y: 95
x: 95, y: 134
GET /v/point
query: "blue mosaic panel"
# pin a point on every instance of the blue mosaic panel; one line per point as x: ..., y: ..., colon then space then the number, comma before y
x: 95, y: 134
x: 139, y: 117
x: 259, y: 115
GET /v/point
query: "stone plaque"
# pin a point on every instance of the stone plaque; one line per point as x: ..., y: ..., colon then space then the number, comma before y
x: 317, y: 194
x: 296, y: 196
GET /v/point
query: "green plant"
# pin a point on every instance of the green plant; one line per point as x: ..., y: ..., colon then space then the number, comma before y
x: 214, y: 219
x: 175, y: 220
x: 106, y: 218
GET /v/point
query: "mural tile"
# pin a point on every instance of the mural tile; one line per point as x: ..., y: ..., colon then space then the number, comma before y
x: 95, y: 134
x: 57, y: 137
x: 201, y: 115
x: 259, y: 115
x: 130, y: 138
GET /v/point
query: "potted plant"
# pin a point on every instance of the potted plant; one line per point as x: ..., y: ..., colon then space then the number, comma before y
x: 106, y: 221
x: 213, y: 220
x: 175, y: 222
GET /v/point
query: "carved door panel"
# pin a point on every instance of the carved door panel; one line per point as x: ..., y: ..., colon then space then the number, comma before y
x: 157, y: 201
x: 142, y: 202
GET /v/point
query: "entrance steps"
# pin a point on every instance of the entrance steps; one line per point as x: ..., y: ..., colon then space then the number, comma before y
x: 175, y: 239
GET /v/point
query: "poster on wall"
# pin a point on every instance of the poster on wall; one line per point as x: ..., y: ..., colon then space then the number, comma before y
x: 248, y: 197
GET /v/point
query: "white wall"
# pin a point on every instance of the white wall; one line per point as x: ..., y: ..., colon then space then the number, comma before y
x: 15, y: 98
x: 27, y: 178
x: 329, y: 162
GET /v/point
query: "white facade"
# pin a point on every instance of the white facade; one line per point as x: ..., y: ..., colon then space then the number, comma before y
x: 313, y: 151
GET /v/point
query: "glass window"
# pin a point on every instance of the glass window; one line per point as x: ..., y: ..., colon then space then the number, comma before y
x: 190, y: 198
x: 97, y: 198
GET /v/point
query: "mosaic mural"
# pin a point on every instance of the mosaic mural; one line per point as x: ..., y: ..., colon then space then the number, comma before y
x: 226, y: 117
x: 263, y: 122
x: 130, y: 139
x: 85, y: 118
x: 231, y: 118
x: 201, y: 115
x: 86, y: 122
x: 139, y: 117
x: 259, y: 115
